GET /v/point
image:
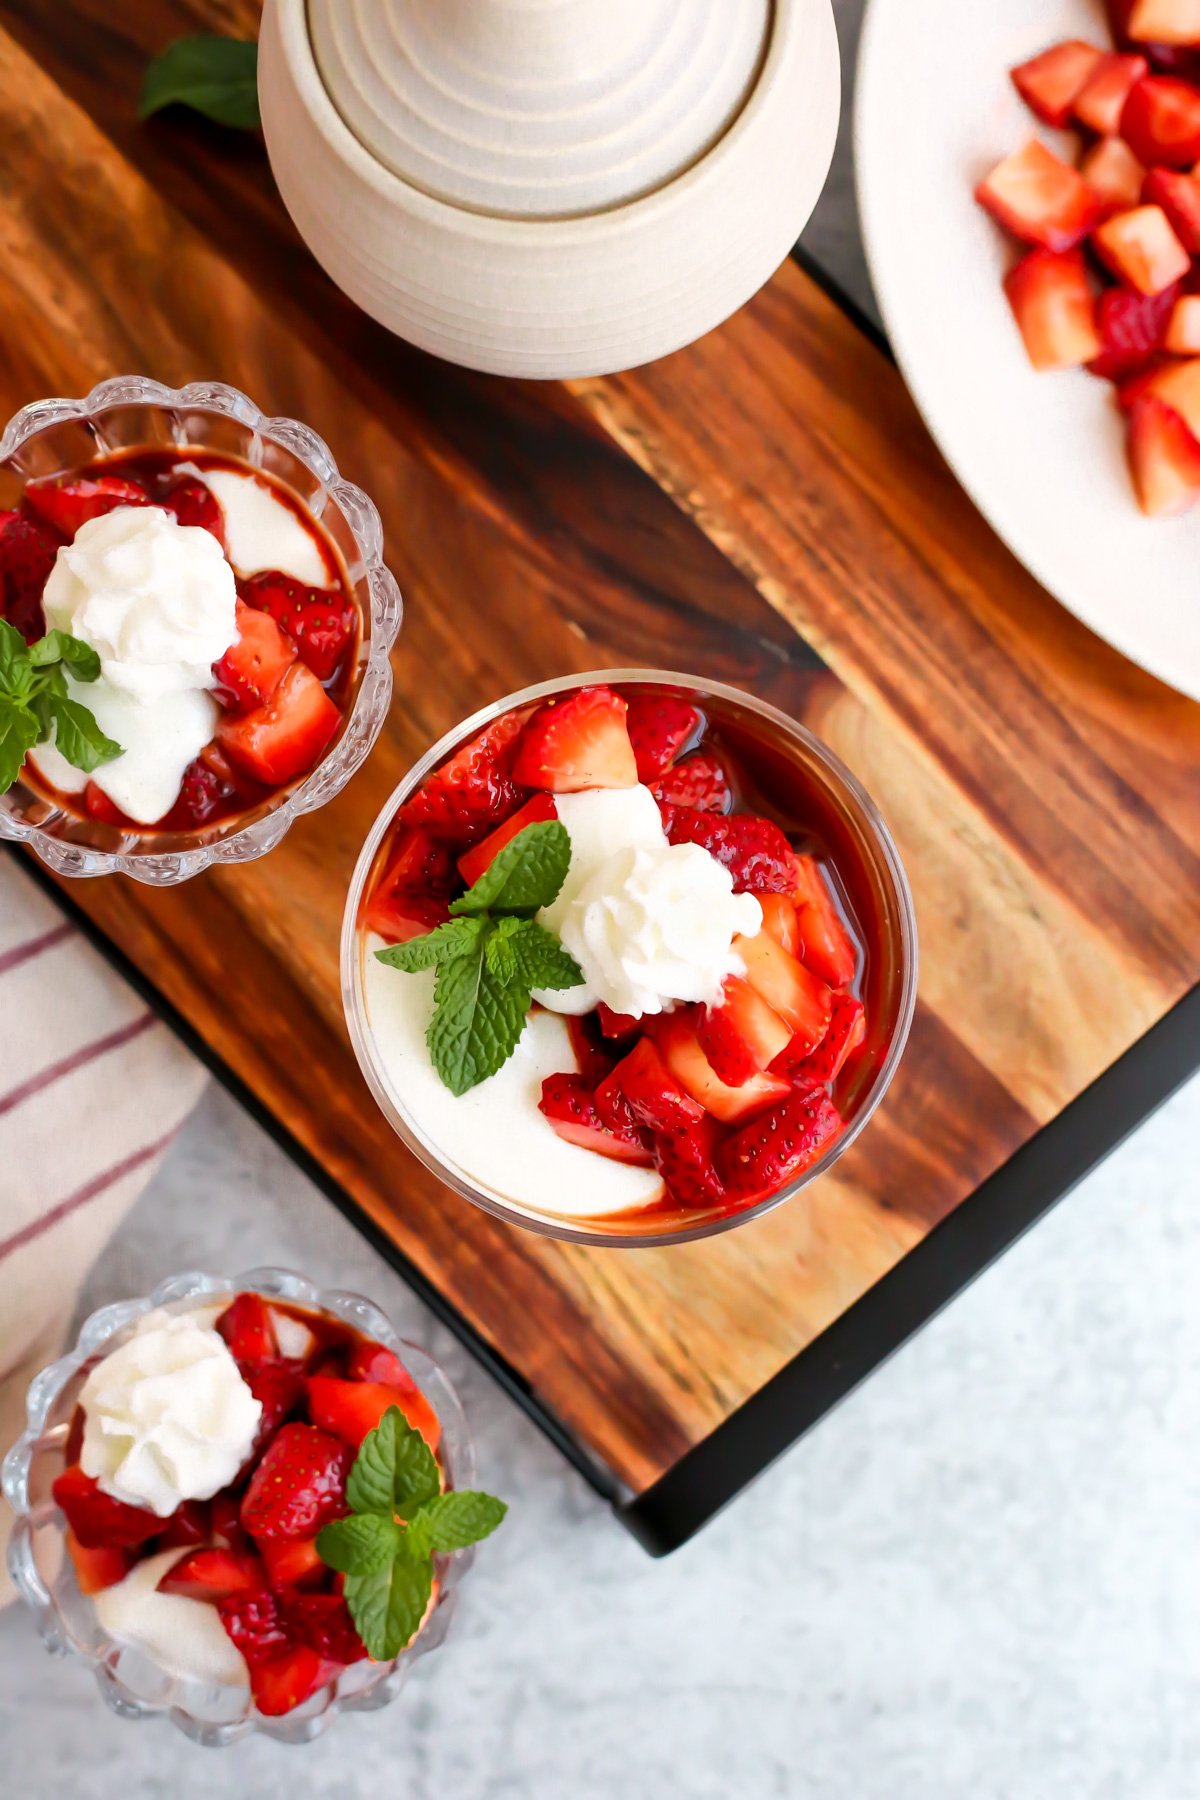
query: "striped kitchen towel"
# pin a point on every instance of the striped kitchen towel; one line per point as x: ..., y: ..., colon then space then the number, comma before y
x: 93, y: 1088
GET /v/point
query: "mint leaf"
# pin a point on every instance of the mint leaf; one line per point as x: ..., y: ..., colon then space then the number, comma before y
x: 417, y: 1476
x: 20, y: 730
x: 359, y: 1544
x: 476, y: 1021
x: 452, y: 1521
x: 540, y: 959
x: 371, y: 1483
x: 526, y: 874
x: 498, y: 950
x: 460, y: 937
x: 78, y: 736
x: 61, y: 647
x: 216, y: 76
x: 388, y: 1605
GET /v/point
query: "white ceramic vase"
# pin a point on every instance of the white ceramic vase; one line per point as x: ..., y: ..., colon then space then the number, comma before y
x: 549, y: 188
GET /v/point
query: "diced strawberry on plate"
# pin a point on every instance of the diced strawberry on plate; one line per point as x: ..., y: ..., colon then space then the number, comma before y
x: 299, y: 1485
x: 28, y: 550
x: 847, y: 1031
x: 659, y: 726
x: 699, y: 781
x: 1040, y: 199
x: 473, y: 792
x: 1161, y: 122
x: 352, y: 1408
x: 1050, y: 83
x: 292, y: 1563
x: 779, y: 1145
x: 283, y: 739
x: 1114, y: 174
x: 576, y: 742
x: 1164, y: 459
x: 194, y: 503
x: 1132, y: 327
x: 1183, y: 329
x: 214, y: 1575
x: 98, y: 1520
x: 247, y: 1328
x: 255, y: 663
x: 743, y: 1035
x: 319, y: 621
x: 1051, y: 300
x: 826, y: 947
x: 476, y: 862
x: 676, y: 1040
x: 685, y: 1160
x: 754, y: 850
x: 1165, y: 22
x: 654, y: 1096
x: 1101, y: 100
x: 802, y: 1000
x: 569, y: 1105
x: 68, y: 504
x: 98, y: 1566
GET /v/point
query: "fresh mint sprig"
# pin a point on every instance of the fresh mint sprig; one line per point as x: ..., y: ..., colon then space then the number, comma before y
x: 399, y: 1518
x: 35, y: 703
x: 216, y: 76
x: 491, y: 955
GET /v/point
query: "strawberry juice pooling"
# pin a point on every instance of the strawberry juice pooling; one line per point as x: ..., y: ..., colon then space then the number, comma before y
x: 629, y: 958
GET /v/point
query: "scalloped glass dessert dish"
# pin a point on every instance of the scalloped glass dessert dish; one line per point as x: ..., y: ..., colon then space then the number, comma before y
x: 687, y: 1109
x: 131, y: 1682
x: 129, y: 418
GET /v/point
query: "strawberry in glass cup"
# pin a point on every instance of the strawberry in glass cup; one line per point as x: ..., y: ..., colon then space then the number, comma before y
x: 629, y: 961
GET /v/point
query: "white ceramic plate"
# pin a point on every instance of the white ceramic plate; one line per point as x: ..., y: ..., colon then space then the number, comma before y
x: 1042, y: 456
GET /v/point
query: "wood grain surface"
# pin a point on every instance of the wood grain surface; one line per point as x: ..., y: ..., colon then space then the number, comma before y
x: 764, y: 508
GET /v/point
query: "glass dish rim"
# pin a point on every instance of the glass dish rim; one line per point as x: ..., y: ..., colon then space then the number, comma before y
x: 100, y: 1328
x: 373, y: 699
x: 361, y: 1038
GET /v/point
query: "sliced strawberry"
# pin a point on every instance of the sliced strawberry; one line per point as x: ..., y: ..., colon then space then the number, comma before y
x: 283, y: 739
x: 97, y: 805
x: 410, y: 896
x: 1177, y: 384
x: 679, y: 1046
x: 1130, y: 389
x: 847, y: 1031
x: 278, y: 1385
x: 1101, y: 100
x: 323, y: 1622
x: 593, y: 1054
x: 1161, y: 122
x: 777, y: 1147
x: 699, y: 781
x: 1132, y: 327
x: 194, y: 503
x: 779, y: 918
x: 292, y: 1563
x: 190, y: 1523
x: 247, y: 1328
x: 1183, y: 330
x: 655, y: 1098
x: 299, y: 1485
x: 801, y: 999
x: 659, y: 726
x: 99, y: 1521
x: 214, y: 1575
x: 1164, y: 459
x: 1050, y: 83
x: 568, y: 1104
x: 227, y: 1523
x: 352, y: 1408
x: 1141, y: 248
x: 578, y: 741
x: 613, y: 1106
x: 399, y: 917
x: 1179, y: 59
x: 284, y: 1671
x: 287, y: 1681
x: 372, y: 1362
x: 319, y: 621
x: 1165, y: 22
x: 254, y: 1624
x: 826, y: 947
x: 98, y: 1566
x: 684, y: 1159
x: 255, y: 663
x: 204, y: 795
x: 475, y: 790
x: 741, y: 1036
x: 1114, y: 174
x: 615, y: 1024
x: 538, y: 811
x: 1040, y: 199
x: 27, y: 554
x: 1051, y: 299
x: 1179, y: 197
x: 68, y: 504
x: 755, y: 851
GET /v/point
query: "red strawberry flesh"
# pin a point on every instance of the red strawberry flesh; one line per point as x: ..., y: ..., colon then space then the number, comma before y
x: 98, y: 1520
x: 299, y: 1486
x: 194, y: 503
x: 658, y: 727
x: 576, y: 742
x: 568, y: 1103
x: 699, y: 781
x: 247, y: 1328
x: 66, y: 505
x: 777, y: 1146
x: 474, y: 792
x: 28, y: 550
x: 754, y: 850
x: 319, y: 621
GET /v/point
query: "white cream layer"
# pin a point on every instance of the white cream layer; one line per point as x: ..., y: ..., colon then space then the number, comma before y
x: 184, y: 1637
x: 261, y: 532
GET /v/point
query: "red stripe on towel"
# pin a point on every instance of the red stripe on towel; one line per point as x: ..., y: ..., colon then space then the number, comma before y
x: 77, y: 1060
x: 99, y: 1184
x: 22, y: 953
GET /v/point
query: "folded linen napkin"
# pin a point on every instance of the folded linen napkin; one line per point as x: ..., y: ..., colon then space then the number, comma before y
x: 93, y: 1088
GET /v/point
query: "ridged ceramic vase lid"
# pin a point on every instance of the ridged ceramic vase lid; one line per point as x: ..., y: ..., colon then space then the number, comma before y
x: 538, y: 109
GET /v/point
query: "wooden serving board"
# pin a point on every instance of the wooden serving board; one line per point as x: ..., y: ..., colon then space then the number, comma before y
x: 765, y: 508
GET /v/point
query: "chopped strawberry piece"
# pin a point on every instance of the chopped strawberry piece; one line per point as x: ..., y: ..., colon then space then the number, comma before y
x: 1051, y: 299
x: 568, y: 1104
x: 1183, y: 331
x: 1114, y: 174
x: 410, y: 896
x: 372, y: 1362
x: 578, y: 741
x: 399, y: 917
x: 801, y: 999
x: 779, y: 918
x: 203, y: 794
x: 755, y: 851
x: 284, y: 1671
x: 777, y: 1147
x: 538, y: 811
x: 97, y: 805
x: 292, y: 1563
x: 1164, y: 459
x: 352, y: 1408
x: 214, y: 1575
x: 69, y: 504
x: 679, y: 1046
x: 699, y: 781
x: 741, y: 1036
x: 323, y: 1622
x: 319, y: 621
x: 227, y: 1523
x: 286, y: 1682
x: 1100, y: 102
x: 825, y: 945
x: 1050, y: 83
x: 255, y: 663
x: 299, y: 1485
x: 247, y: 1328
x: 594, y: 1056
x: 847, y: 1031
x: 98, y: 1520
x: 1177, y: 384
x: 1040, y: 199
x: 659, y: 726
x: 254, y: 1624
x: 1179, y: 197
x: 1141, y: 248
x: 190, y: 1523
x: 1161, y: 122
x: 1131, y: 388
x: 194, y: 503
x: 1132, y: 327
x: 1178, y: 58
x: 1165, y: 21
x: 684, y: 1159
x: 615, y: 1024
x: 652, y: 1093
x: 278, y: 1385
x: 475, y: 790
x: 27, y: 554
x: 283, y: 739
x: 98, y: 1566
x: 613, y: 1106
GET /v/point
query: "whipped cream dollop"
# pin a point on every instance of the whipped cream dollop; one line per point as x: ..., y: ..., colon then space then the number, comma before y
x: 157, y: 601
x: 167, y: 1417
x: 650, y: 923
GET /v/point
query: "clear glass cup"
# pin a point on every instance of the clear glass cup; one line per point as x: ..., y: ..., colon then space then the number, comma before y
x: 787, y: 759
x: 131, y: 1684
x: 51, y: 437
